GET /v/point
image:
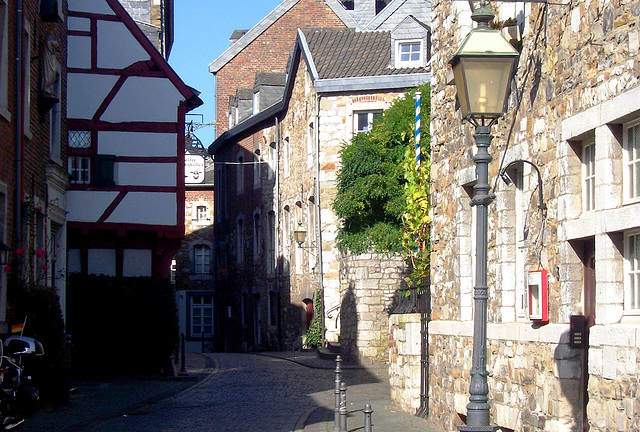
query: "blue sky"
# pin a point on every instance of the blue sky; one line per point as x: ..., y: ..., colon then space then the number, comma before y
x: 202, y: 31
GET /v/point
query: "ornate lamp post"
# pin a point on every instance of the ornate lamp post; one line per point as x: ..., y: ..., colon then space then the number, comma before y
x: 482, y: 69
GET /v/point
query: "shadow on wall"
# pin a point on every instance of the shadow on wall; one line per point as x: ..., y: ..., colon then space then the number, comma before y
x: 349, y: 325
x: 572, y: 375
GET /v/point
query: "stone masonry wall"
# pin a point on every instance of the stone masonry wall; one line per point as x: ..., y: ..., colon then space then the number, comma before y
x: 577, y: 82
x: 404, y: 361
x: 368, y: 284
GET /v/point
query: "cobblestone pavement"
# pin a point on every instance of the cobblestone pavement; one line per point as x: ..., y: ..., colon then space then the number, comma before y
x: 272, y: 392
x: 247, y: 393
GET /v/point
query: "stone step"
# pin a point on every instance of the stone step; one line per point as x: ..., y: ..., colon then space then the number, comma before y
x: 334, y: 347
x: 325, y: 354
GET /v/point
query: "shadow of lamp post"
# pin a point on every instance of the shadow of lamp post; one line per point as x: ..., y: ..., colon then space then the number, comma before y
x: 482, y: 68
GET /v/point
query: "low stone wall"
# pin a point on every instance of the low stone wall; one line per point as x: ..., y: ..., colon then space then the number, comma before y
x: 534, y: 376
x: 367, y: 286
x: 404, y: 361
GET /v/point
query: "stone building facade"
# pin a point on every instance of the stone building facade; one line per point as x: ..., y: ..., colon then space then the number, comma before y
x: 572, y: 115
x: 328, y: 97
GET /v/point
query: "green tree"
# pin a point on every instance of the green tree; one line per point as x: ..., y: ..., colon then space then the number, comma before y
x: 382, y: 200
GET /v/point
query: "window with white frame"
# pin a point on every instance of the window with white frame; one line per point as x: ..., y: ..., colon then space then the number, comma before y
x: 632, y: 267
x: 80, y: 169
x: 202, y: 213
x: 588, y: 175
x: 632, y: 161
x: 202, y: 315
x: 201, y: 259
x: 271, y: 167
x: 4, y: 60
x: 409, y: 53
x: 363, y: 120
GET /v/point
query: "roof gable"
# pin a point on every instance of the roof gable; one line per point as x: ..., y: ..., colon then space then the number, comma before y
x: 265, y: 23
x: 144, y: 46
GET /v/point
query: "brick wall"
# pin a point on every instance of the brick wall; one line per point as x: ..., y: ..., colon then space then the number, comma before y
x: 269, y: 52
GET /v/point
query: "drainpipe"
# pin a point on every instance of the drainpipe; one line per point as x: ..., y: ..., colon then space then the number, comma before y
x: 277, y: 227
x: 318, y: 212
x: 162, y: 18
x: 19, y: 128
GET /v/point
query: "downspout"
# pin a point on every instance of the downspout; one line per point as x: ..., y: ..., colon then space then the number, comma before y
x: 17, y: 211
x: 277, y: 226
x: 318, y: 212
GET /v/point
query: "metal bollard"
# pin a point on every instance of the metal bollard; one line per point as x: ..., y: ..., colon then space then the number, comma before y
x: 367, y: 417
x: 336, y: 407
x: 183, y: 366
x: 343, y: 407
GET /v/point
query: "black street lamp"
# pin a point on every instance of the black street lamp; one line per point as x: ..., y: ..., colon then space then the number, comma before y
x: 482, y: 70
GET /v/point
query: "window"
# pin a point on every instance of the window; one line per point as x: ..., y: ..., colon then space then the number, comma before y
x: 310, y: 141
x: 271, y: 167
x: 4, y: 61
x: 271, y: 242
x: 588, y: 175
x: 54, y: 124
x: 240, y: 175
x: 201, y: 213
x: 172, y: 271
x: 363, y: 120
x: 26, y: 84
x: 632, y: 267
x: 202, y: 259
x: 202, y: 315
x: 257, y: 238
x: 80, y: 139
x: 105, y: 170
x: 273, y: 309
x: 80, y: 169
x: 409, y: 54
x: 257, y: 167
x: 240, y: 241
x: 632, y: 161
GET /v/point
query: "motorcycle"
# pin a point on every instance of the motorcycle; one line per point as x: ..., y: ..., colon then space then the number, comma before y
x: 18, y: 397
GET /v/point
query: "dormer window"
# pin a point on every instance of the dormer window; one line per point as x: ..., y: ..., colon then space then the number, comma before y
x: 409, y: 53
x: 256, y: 103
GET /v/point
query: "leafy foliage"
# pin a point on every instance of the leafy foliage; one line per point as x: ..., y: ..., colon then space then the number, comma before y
x: 382, y: 200
x: 314, y: 332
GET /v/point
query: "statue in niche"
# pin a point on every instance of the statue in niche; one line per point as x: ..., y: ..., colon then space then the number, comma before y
x: 51, y: 66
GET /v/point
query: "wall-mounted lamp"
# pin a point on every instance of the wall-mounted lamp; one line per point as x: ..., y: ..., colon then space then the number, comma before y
x: 5, y: 254
x: 300, y: 236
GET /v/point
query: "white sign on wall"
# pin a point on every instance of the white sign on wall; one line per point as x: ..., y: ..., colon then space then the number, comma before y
x: 193, y: 169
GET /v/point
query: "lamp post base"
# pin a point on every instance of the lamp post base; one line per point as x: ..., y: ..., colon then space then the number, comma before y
x: 465, y: 428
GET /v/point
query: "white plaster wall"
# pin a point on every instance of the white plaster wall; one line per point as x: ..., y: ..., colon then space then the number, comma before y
x: 78, y: 24
x: 143, y: 144
x: 136, y: 262
x: 101, y: 261
x: 85, y: 93
x: 144, y: 99
x: 88, y: 206
x: 146, y: 174
x: 92, y: 6
x: 149, y: 208
x: 74, y: 261
x: 117, y: 47
x: 79, y: 50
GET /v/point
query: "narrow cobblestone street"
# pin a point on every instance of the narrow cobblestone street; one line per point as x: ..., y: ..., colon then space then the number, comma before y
x: 247, y: 393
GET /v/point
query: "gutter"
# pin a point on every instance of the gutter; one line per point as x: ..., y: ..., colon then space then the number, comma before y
x: 319, y: 212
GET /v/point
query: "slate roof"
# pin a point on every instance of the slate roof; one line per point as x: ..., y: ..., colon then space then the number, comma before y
x: 270, y: 79
x: 346, y: 53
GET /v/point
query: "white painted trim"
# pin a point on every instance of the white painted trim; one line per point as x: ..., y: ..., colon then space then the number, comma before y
x: 517, y: 332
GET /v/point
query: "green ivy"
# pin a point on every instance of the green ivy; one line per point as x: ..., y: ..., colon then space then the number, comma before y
x: 382, y: 200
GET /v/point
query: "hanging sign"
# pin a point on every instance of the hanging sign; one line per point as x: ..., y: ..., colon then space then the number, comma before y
x: 193, y: 169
